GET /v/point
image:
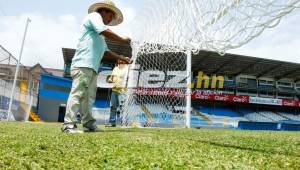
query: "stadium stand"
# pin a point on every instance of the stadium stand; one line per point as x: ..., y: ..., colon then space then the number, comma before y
x: 272, y: 116
x: 261, y: 93
x: 257, y: 117
x: 290, y: 116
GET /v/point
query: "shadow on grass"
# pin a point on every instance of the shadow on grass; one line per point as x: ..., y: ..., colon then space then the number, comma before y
x: 265, y: 151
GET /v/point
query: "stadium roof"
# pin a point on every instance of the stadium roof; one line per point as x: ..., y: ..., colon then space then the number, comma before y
x: 213, y: 63
x: 117, y: 47
x: 232, y: 64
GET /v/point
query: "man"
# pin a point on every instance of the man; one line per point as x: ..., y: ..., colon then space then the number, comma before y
x: 84, y: 68
x: 118, y: 77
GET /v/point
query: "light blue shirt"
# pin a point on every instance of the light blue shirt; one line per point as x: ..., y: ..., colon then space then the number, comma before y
x: 91, y: 46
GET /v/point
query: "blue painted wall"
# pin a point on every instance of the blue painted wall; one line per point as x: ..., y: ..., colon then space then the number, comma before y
x: 54, y: 92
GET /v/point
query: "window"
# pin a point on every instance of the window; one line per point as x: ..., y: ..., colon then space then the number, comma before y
x: 246, y: 92
x: 285, y: 96
x: 297, y: 85
x: 229, y: 78
x: 57, y: 88
x: 262, y: 82
x: 266, y: 94
x: 243, y: 80
x: 284, y: 84
x: 266, y: 82
x: 270, y: 83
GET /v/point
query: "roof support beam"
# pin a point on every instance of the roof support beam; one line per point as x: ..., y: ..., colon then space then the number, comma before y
x: 286, y: 73
x: 224, y: 64
x: 247, y: 67
x: 264, y: 72
x: 201, y: 60
x: 297, y: 79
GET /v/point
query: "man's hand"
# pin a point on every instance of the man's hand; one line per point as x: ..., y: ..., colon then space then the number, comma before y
x: 127, y: 60
x: 114, y: 56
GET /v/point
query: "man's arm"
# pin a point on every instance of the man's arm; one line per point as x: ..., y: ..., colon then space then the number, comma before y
x: 115, y: 37
x: 117, y: 57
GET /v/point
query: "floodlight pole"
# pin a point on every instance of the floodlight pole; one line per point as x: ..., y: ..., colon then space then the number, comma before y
x: 17, y: 72
x: 188, y: 89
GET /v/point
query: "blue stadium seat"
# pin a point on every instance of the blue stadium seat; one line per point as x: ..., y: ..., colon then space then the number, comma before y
x: 229, y: 84
x: 219, y: 111
x: 222, y: 111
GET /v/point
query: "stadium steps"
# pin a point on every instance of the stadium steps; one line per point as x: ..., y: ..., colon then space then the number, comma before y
x: 33, y: 116
x: 202, y: 116
x: 263, y: 115
x: 278, y: 117
x: 283, y: 116
x: 147, y: 112
x: 258, y: 117
x: 242, y: 115
x: 290, y: 116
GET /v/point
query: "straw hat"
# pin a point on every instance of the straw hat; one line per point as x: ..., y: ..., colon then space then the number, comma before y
x: 108, y: 4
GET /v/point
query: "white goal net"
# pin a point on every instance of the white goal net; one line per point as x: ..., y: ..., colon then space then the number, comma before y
x: 217, y: 25
x: 165, y: 30
x: 157, y: 90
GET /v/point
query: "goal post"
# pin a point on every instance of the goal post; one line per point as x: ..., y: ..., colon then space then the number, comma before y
x: 188, y: 88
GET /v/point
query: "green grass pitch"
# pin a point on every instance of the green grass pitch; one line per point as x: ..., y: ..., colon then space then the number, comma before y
x: 44, y: 146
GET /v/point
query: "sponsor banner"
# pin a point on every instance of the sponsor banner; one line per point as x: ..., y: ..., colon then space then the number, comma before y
x: 160, y: 92
x: 291, y: 103
x: 287, y: 102
x: 216, y: 96
x: 196, y: 95
x: 267, y: 101
x: 297, y: 103
x: 220, y: 97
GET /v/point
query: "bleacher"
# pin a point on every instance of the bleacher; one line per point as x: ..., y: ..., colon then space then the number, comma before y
x: 197, y: 121
x: 222, y: 111
x: 256, y: 117
x: 221, y: 116
x: 290, y: 116
x: 158, y: 108
x: 272, y: 116
x: 155, y: 115
x: 208, y: 116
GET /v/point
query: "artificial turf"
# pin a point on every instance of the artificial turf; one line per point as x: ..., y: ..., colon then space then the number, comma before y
x: 44, y: 146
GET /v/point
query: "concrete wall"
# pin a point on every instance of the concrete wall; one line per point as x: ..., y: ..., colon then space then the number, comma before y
x: 49, y: 109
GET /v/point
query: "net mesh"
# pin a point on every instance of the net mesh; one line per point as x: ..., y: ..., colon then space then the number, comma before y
x: 165, y: 30
x: 25, y: 96
x: 206, y: 25
x: 156, y: 94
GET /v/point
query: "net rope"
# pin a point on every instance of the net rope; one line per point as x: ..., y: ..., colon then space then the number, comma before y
x: 25, y: 94
x: 195, y: 25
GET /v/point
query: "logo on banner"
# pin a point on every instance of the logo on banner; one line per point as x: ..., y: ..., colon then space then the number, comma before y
x: 162, y: 79
x: 260, y: 100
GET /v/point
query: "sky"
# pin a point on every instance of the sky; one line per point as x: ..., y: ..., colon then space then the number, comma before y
x: 55, y: 24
